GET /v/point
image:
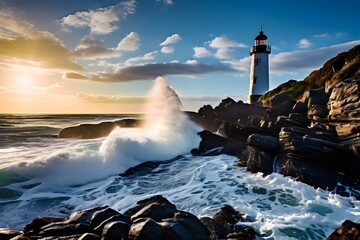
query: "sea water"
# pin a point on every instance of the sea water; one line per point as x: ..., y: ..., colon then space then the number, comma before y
x: 41, y: 174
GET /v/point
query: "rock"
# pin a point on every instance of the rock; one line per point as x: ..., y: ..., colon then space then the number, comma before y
x: 158, y: 199
x: 175, y: 230
x: 281, y: 105
x: 115, y: 218
x: 64, y: 229
x: 155, y: 211
x: 299, y: 107
x: 213, y: 144
x: 99, y: 216
x: 265, y: 142
x: 33, y: 228
x: 348, y: 231
x: 202, y: 121
x: 90, y: 131
x: 193, y: 225
x: 6, y: 233
x: 89, y: 236
x: 256, y: 160
x: 115, y: 230
x: 146, y: 229
x: 217, y: 230
x: 83, y: 216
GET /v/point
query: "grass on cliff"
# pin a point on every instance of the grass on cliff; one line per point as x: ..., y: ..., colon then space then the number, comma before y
x: 345, y: 65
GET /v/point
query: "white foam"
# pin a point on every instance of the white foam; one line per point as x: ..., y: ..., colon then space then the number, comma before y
x: 166, y: 133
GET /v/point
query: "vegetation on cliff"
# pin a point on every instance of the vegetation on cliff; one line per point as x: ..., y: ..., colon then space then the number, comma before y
x: 345, y: 65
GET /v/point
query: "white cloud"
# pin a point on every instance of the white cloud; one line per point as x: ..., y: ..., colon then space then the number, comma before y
x: 130, y: 43
x: 167, y: 49
x: 224, y: 53
x: 101, y: 98
x: 102, y: 20
x: 225, y: 42
x: 200, y: 52
x: 323, y: 35
x: 168, y: 2
x: 191, y: 62
x: 145, y: 57
x: 304, y: 43
x: 171, y: 40
x: 93, y: 48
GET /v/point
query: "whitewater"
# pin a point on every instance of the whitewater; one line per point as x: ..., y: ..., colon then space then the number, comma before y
x: 41, y: 174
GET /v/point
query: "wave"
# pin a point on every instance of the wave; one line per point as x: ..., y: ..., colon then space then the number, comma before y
x: 166, y: 133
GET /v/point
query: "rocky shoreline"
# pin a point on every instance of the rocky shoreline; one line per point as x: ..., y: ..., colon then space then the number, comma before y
x: 315, y: 140
x: 154, y: 218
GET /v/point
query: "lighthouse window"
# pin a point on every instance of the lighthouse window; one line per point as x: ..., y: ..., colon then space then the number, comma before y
x: 254, y: 80
x: 257, y: 61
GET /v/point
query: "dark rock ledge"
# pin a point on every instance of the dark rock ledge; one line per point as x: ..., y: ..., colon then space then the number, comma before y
x: 154, y: 218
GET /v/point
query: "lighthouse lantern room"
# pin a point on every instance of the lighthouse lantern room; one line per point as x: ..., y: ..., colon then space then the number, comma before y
x: 259, y: 72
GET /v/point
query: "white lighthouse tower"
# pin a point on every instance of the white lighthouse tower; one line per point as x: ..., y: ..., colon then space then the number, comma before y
x: 259, y: 72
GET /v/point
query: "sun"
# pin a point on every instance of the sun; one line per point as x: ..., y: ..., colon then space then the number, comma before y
x: 24, y: 82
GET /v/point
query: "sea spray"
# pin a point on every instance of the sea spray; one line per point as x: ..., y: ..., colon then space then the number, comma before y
x: 166, y: 133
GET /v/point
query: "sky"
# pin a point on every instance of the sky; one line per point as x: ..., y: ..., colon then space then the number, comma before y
x: 104, y: 56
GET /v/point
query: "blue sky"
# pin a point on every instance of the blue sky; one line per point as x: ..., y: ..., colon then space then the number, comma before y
x: 103, y: 56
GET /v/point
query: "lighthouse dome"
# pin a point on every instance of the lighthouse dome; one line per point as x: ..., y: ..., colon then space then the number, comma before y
x: 261, y: 36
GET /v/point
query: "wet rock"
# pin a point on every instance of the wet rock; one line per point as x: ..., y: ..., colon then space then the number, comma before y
x: 257, y: 160
x: 90, y: 131
x: 89, y: 236
x: 218, y: 231
x: 63, y: 229
x: 348, y: 231
x: 115, y: 230
x: 116, y: 218
x: 33, y: 228
x: 175, y: 230
x: 213, y: 144
x: 265, y: 142
x: 6, y: 233
x: 193, y: 225
x: 146, y: 229
x: 155, y: 211
x: 99, y: 216
x: 83, y: 216
x: 300, y: 107
x: 157, y: 199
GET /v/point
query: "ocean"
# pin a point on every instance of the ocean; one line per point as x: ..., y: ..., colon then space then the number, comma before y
x: 41, y: 174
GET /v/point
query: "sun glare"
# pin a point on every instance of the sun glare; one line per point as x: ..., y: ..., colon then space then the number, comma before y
x: 24, y: 82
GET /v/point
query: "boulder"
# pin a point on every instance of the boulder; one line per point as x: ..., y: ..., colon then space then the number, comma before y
x: 90, y: 131
x: 115, y: 218
x: 348, y: 231
x: 63, y: 229
x: 146, y: 229
x: 256, y: 160
x: 155, y: 211
x: 33, y: 228
x: 115, y: 230
x: 99, y: 216
x: 193, y: 225
x: 144, y: 204
x: 6, y: 233
x: 281, y: 105
x: 83, y: 216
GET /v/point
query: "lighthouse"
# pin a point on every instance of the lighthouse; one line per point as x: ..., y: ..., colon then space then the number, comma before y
x: 259, y: 72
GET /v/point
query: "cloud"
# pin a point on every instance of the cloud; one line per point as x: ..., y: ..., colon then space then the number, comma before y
x: 130, y: 43
x: 307, y: 59
x: 145, y: 57
x: 100, y: 98
x: 167, y: 49
x: 171, y: 40
x: 225, y: 42
x: 304, y: 43
x: 74, y: 75
x: 101, y: 20
x: 323, y: 35
x: 93, y: 48
x: 224, y: 53
x: 152, y: 70
x: 25, y: 45
x: 167, y: 2
x: 200, y: 52
x: 191, y: 62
